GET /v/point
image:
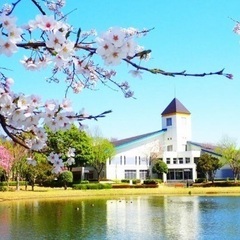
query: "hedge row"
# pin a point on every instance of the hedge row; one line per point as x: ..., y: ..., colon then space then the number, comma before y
x: 134, y: 181
x: 217, y: 184
x: 137, y: 181
x: 91, y: 186
x: 12, y: 183
x: 135, y: 186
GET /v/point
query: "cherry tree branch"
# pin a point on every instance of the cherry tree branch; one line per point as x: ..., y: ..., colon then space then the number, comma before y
x: 38, y: 6
x: 82, y: 117
x: 11, y: 135
x: 36, y: 45
x: 174, y: 74
x: 13, y: 6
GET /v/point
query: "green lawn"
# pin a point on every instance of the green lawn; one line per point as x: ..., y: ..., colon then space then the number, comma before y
x: 50, y: 193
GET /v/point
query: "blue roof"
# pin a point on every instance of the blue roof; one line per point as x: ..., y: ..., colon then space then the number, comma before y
x: 131, y: 140
x: 206, y: 147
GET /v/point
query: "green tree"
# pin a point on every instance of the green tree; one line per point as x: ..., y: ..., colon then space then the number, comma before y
x: 66, y: 177
x: 208, y: 165
x: 102, y: 151
x: 61, y: 141
x: 160, y: 167
x: 230, y: 155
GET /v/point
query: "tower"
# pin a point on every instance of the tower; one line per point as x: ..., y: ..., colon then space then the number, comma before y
x: 177, y: 120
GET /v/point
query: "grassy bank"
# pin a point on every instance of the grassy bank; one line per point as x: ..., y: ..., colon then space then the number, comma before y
x: 49, y: 193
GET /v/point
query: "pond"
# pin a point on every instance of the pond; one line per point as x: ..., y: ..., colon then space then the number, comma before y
x: 136, y: 217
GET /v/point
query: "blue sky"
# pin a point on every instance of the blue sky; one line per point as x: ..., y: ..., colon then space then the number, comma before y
x: 188, y: 35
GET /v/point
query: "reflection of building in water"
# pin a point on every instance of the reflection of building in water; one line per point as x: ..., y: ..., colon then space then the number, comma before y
x: 181, y: 217
x: 153, y: 218
x: 133, y: 217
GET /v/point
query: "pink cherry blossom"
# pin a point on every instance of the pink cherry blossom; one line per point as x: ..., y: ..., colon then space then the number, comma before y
x: 7, y: 47
x: 46, y: 23
x: 8, y: 22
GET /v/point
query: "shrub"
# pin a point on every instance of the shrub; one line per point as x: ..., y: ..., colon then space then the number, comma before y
x: 79, y: 186
x: 52, y: 183
x: 3, y: 188
x: 84, y: 182
x: 92, y: 186
x: 158, y: 180
x: 125, y: 181
x: 150, y: 181
x: 136, y: 181
x: 105, y: 186
x: 200, y: 180
x: 66, y: 177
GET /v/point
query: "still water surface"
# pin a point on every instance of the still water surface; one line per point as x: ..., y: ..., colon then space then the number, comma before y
x: 130, y: 218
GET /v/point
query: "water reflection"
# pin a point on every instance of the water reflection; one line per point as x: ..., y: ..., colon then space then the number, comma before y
x: 136, y: 217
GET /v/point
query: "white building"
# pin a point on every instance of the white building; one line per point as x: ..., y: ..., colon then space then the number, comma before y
x: 172, y: 144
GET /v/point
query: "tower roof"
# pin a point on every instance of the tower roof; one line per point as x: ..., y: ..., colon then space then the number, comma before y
x: 175, y: 106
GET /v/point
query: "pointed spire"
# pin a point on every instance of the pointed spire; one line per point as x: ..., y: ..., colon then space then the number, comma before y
x: 175, y: 106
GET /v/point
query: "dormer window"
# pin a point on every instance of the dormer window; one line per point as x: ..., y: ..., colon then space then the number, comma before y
x: 169, y: 121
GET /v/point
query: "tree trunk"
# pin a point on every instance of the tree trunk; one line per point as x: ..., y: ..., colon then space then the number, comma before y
x: 33, y: 183
x: 98, y: 173
x: 17, y: 186
x: 235, y: 179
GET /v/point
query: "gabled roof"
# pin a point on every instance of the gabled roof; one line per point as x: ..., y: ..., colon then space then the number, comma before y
x: 175, y: 106
x: 206, y: 147
x: 127, y: 141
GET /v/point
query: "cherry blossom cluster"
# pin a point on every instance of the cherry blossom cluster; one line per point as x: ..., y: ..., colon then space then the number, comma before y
x: 8, y: 45
x: 117, y: 44
x: 57, y: 161
x: 23, y: 118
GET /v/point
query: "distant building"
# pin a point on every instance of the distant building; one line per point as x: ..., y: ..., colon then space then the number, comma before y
x: 172, y: 144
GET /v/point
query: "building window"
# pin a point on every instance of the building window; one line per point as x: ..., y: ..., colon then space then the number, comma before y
x: 135, y: 160
x: 150, y: 162
x: 174, y: 161
x: 147, y: 161
x: 169, y: 148
x: 120, y: 160
x: 179, y: 174
x: 184, y: 147
x: 196, y: 160
x: 169, y: 121
x: 143, y: 174
x: 139, y: 160
x: 124, y: 160
x: 187, y: 160
x: 130, y: 174
x: 180, y: 160
x: 168, y: 160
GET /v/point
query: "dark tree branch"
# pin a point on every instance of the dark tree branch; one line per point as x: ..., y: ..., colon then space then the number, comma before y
x: 81, y: 117
x: 14, y: 5
x: 174, y: 74
x: 14, y: 138
x: 38, y: 6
